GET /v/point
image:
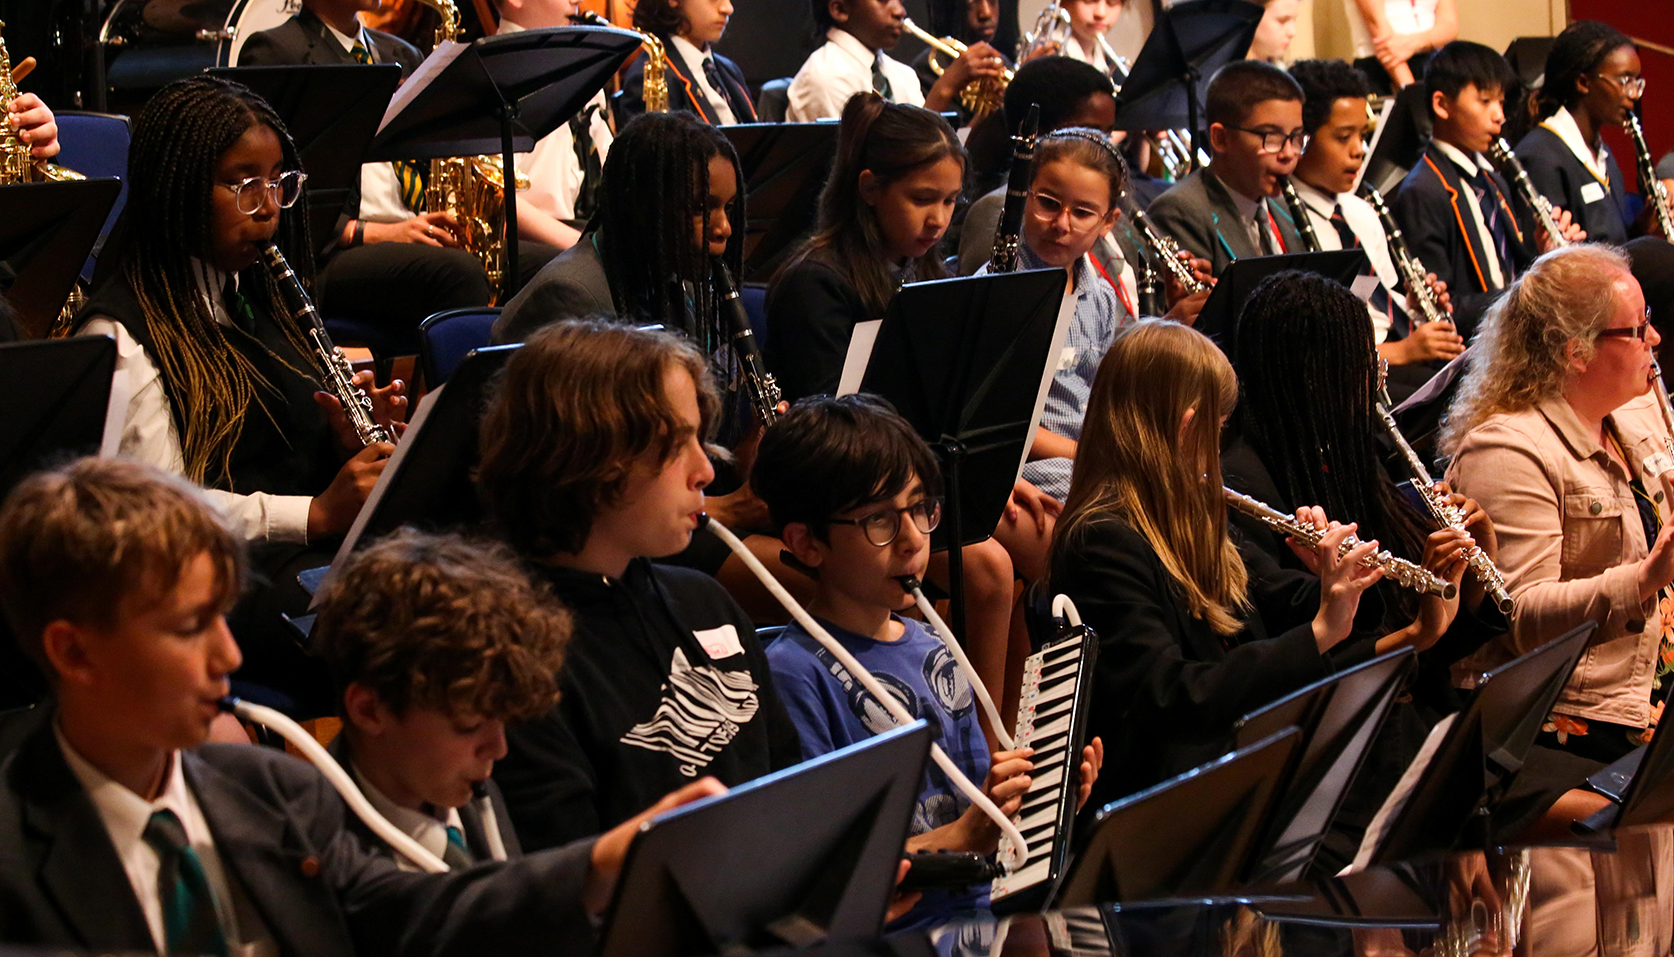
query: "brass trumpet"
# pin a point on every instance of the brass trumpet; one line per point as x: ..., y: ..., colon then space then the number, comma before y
x: 980, y: 96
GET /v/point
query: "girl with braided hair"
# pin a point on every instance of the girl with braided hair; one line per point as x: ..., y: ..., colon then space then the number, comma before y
x: 224, y: 388
x: 1592, y: 81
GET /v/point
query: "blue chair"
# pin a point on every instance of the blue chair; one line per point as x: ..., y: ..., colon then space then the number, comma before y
x: 446, y: 338
x: 95, y: 145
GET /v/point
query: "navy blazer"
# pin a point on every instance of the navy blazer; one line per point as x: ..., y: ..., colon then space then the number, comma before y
x: 684, y: 94
x: 1432, y: 209
x: 1560, y: 176
x: 1198, y: 213
x: 279, y: 829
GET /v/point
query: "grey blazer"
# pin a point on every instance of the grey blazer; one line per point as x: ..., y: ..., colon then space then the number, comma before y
x: 572, y: 286
x: 279, y: 828
x: 1199, y: 214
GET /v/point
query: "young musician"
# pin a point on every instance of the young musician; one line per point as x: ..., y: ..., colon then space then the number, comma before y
x: 566, y: 164
x: 1090, y: 20
x: 1454, y: 207
x: 1554, y: 431
x: 700, y: 81
x: 980, y: 20
x: 593, y: 463
x: 435, y: 645
x: 387, y: 264
x: 1592, y: 81
x: 122, y: 831
x: 1334, y: 116
x: 853, y: 61
x: 1393, y: 39
x: 1276, y: 31
x: 1191, y: 639
x: 224, y: 388
x: 855, y: 494
x: 1224, y: 212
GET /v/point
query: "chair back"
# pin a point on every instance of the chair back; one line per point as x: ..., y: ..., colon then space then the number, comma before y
x: 446, y: 338
x: 95, y: 145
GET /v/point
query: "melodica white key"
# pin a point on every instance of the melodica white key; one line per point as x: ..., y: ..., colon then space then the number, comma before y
x: 1052, y: 719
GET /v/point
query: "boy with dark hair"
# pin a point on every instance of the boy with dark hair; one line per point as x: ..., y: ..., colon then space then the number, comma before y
x: 435, y: 645
x: 1334, y: 116
x: 856, y: 493
x: 853, y: 61
x: 593, y: 464
x: 120, y: 830
x: 1226, y: 211
x: 700, y: 80
x: 1456, y: 211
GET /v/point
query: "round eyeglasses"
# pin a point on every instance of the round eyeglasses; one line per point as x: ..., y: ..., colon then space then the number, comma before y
x: 883, y: 526
x: 284, y: 191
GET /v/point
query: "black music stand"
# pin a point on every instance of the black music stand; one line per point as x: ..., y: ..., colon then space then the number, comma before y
x: 500, y: 95
x: 1339, y: 718
x: 799, y: 857
x: 784, y: 169
x: 1480, y: 754
x: 1400, y: 141
x: 968, y: 361
x: 1219, y: 318
x: 47, y: 231
x: 1190, y: 835
x: 1641, y: 785
x: 1170, y: 78
x: 331, y: 111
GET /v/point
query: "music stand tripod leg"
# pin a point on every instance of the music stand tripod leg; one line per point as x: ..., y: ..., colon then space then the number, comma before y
x: 952, y: 452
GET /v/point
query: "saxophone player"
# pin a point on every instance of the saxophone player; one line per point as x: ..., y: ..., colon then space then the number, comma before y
x: 703, y: 82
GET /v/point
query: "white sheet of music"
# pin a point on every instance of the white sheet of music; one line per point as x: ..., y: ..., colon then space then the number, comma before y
x: 865, y: 335
x: 1397, y: 799
x: 446, y: 52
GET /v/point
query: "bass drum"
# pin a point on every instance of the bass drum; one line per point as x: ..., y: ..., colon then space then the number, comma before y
x: 250, y: 17
x: 149, y: 43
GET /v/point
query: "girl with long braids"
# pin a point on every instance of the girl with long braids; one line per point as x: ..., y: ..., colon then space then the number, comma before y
x: 1191, y: 637
x: 1592, y: 81
x: 224, y: 389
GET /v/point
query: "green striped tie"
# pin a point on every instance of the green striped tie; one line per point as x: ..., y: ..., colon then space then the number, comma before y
x: 408, y: 173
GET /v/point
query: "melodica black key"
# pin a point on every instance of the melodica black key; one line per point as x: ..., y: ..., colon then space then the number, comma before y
x: 1052, y: 719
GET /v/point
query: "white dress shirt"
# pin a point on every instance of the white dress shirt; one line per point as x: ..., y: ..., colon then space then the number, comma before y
x: 1403, y: 16
x: 1469, y: 165
x: 1363, y: 221
x: 125, y: 816
x: 1073, y: 50
x: 555, y: 174
x: 148, y: 429
x: 428, y: 830
x: 1562, y: 123
x: 694, y: 58
x: 840, y: 69
x: 380, y: 190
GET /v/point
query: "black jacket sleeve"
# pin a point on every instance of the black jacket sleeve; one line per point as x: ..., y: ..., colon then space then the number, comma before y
x: 811, y: 315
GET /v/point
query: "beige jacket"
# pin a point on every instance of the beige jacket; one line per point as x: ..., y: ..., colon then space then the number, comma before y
x: 1570, y: 542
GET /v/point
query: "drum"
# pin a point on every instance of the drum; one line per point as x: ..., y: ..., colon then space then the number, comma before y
x: 152, y: 42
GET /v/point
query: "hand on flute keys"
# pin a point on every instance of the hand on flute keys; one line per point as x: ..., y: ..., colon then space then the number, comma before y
x: 1343, y: 579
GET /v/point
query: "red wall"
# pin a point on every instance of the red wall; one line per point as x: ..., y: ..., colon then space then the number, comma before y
x: 1646, y: 20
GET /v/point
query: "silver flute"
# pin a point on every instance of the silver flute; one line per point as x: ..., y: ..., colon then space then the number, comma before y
x: 1422, y: 298
x: 1168, y: 252
x: 1299, y: 212
x: 1544, y: 213
x: 1443, y: 511
x: 339, y: 375
x: 1403, y: 572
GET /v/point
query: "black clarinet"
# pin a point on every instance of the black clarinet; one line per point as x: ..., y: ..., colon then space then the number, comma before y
x: 339, y: 375
x: 1008, y: 236
x: 764, y: 389
x: 1544, y: 213
x: 1299, y: 212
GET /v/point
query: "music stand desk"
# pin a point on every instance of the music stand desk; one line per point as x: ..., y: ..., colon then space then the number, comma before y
x: 1233, y: 288
x: 47, y: 231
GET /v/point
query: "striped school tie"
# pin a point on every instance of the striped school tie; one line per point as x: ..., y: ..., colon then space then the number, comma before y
x: 408, y: 173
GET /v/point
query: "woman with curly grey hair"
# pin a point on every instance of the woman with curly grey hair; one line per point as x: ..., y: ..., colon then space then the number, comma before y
x: 1556, y: 432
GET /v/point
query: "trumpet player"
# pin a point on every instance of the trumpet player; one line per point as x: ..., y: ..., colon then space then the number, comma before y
x: 853, y: 60
x: 981, y: 18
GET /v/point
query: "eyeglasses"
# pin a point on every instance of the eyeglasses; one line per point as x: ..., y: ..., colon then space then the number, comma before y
x: 1048, y: 208
x: 1273, y: 141
x: 882, y: 527
x: 285, y: 190
x: 1638, y: 332
x: 1633, y: 86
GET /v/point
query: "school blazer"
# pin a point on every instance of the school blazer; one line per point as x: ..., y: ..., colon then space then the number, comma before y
x: 1199, y: 214
x: 1560, y: 176
x: 572, y: 286
x: 684, y: 94
x: 1433, y: 209
x: 280, y: 831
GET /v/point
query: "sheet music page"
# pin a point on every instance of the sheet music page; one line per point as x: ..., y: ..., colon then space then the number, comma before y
x: 391, y: 468
x: 861, y: 341
x: 116, y: 414
x: 1377, y: 134
x: 1397, y: 799
x: 1066, y: 315
x: 445, y: 53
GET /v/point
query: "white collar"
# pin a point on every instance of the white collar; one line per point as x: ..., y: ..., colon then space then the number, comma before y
x: 507, y: 26
x: 347, y: 42
x: 1562, y: 123
x: 1317, y: 199
x: 689, y: 51
x: 1470, y: 163
x: 850, y: 44
x: 427, y: 829
x: 1247, y: 207
x: 212, y: 284
x: 125, y: 813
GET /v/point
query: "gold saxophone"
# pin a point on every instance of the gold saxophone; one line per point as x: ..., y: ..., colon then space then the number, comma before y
x: 16, y: 165
x: 655, y: 91
x: 473, y: 188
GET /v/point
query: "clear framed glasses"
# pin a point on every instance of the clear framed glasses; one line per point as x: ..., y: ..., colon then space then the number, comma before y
x: 1274, y: 141
x: 285, y: 190
x: 1637, y: 333
x: 1047, y: 208
x: 884, y: 525
x: 1633, y: 86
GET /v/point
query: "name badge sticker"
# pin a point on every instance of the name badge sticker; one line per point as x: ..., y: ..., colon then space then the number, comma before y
x: 1592, y: 192
x: 1658, y: 463
x: 719, y: 642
